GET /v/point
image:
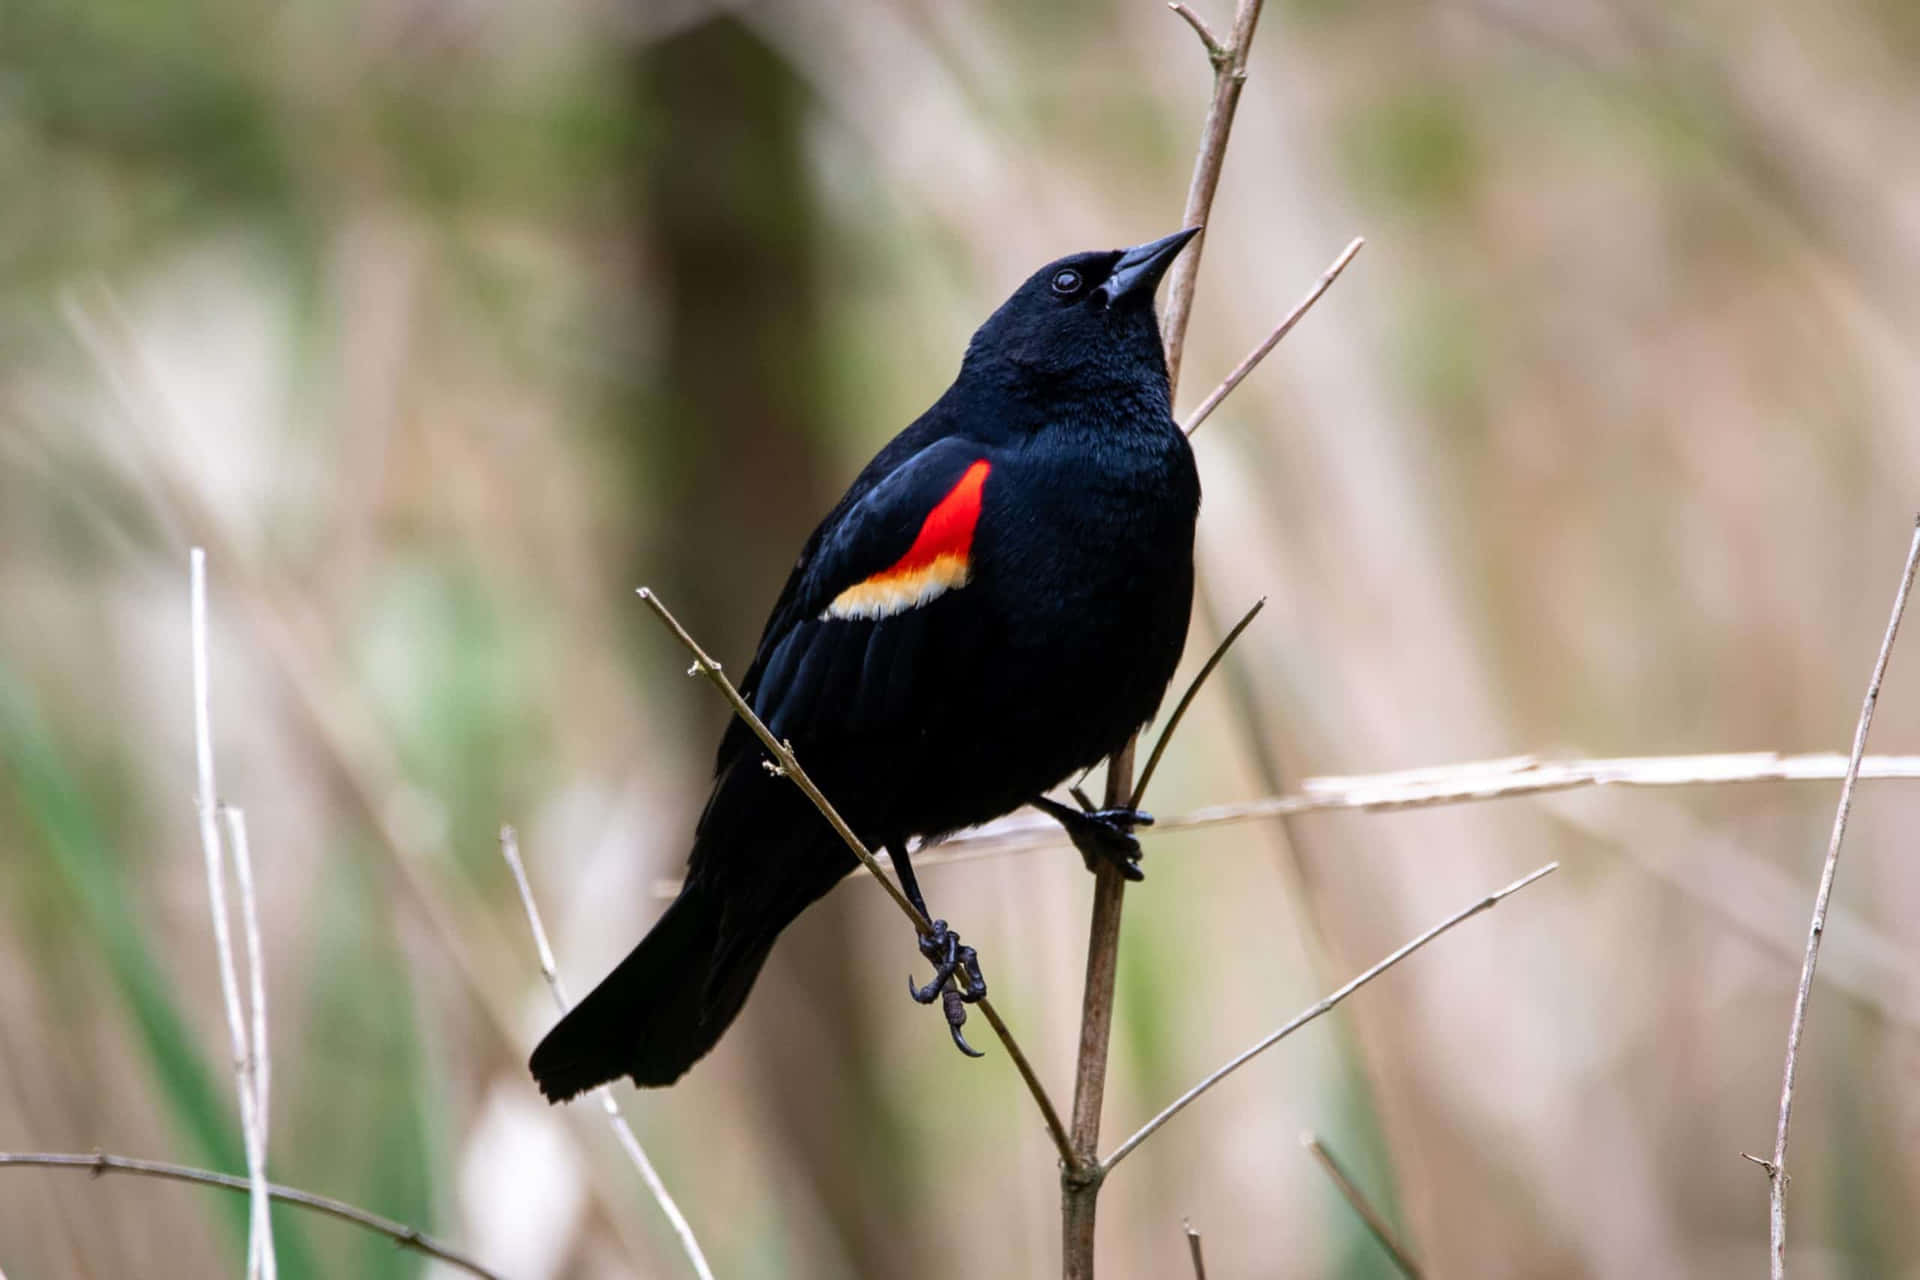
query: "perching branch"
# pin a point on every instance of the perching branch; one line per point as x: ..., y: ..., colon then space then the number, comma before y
x: 1777, y: 1168
x: 1308, y: 1015
x: 1272, y: 340
x: 400, y: 1233
x: 622, y: 1131
x: 260, y: 1255
x: 1080, y: 1179
x: 1375, y: 1221
x: 1470, y: 782
x: 789, y: 768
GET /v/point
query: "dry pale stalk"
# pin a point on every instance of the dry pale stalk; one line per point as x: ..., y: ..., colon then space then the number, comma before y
x: 260, y: 1255
x: 100, y: 1163
x: 1467, y: 783
x: 622, y: 1131
x: 1777, y: 1167
x: 1440, y: 785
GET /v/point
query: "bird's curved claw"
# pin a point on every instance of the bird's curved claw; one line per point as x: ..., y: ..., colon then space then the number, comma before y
x: 957, y: 980
x: 956, y: 1010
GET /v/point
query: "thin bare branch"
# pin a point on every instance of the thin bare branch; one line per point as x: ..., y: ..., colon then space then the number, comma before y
x: 549, y: 969
x: 1272, y: 340
x: 1193, y: 1251
x: 261, y: 1259
x: 783, y: 757
x: 789, y: 767
x: 1375, y: 1221
x: 1307, y: 1015
x: 622, y: 1131
x: 1229, y: 76
x: 1777, y: 1169
x: 1215, y: 52
x: 1465, y: 783
x: 259, y: 1247
x: 1186, y: 700
x: 400, y: 1233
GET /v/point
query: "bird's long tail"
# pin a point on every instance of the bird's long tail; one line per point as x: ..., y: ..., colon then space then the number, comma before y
x: 660, y: 1010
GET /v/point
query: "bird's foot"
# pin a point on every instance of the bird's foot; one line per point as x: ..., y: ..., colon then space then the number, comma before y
x: 1101, y: 835
x: 957, y: 980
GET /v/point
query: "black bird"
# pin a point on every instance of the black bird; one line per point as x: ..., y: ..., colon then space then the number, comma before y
x: 995, y: 605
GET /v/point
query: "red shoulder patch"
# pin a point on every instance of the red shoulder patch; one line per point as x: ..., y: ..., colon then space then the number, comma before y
x: 937, y: 562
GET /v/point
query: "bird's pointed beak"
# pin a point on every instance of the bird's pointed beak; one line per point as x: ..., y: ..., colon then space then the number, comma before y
x: 1140, y: 268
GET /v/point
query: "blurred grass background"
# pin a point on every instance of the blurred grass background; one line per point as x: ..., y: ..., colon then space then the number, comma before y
x: 445, y: 325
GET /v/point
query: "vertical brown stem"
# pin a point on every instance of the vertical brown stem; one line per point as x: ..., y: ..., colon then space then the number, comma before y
x: 1229, y: 77
x: 1080, y: 1184
x: 1080, y: 1179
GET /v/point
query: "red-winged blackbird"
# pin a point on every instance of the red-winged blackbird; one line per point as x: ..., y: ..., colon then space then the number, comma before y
x: 995, y: 605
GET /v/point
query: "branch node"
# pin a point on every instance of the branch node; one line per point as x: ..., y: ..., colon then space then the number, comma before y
x: 1083, y: 1177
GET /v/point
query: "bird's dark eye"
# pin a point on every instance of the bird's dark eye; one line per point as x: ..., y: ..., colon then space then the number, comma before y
x: 1066, y: 283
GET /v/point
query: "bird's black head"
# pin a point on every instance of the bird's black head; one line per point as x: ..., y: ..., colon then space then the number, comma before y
x: 1081, y: 325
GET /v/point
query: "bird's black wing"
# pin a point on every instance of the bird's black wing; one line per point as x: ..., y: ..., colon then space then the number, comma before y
x: 838, y: 654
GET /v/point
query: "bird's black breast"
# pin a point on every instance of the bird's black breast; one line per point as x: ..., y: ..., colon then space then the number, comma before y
x: 1071, y: 626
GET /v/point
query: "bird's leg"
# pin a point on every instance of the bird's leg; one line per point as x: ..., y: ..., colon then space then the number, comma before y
x: 942, y: 947
x: 1101, y: 835
x: 953, y: 962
